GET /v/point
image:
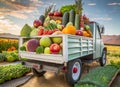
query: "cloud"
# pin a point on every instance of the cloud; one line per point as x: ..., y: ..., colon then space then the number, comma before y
x: 7, y: 26
x: 91, y: 4
x: 19, y: 9
x: 114, y: 3
x: 102, y: 19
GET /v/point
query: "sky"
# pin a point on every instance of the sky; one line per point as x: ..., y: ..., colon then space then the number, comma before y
x: 14, y: 14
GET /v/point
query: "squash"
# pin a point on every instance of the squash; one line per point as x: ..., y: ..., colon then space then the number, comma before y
x: 86, y: 34
x: 70, y: 29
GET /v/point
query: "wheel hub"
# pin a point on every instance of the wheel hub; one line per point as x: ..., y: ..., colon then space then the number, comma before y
x: 75, y: 70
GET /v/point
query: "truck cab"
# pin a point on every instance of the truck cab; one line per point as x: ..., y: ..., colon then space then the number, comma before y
x: 99, y: 49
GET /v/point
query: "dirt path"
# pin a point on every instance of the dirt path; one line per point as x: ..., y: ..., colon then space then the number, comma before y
x: 51, y: 80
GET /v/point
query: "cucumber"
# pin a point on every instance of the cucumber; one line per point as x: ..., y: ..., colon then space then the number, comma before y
x: 72, y: 16
x: 77, y: 21
x: 42, y: 18
x: 65, y: 18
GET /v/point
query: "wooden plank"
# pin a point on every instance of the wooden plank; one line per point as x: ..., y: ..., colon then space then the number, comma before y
x: 113, y: 77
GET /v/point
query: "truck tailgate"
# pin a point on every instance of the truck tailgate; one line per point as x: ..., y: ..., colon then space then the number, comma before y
x: 53, y: 58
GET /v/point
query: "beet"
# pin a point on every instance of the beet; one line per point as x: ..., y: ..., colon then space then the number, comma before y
x: 32, y: 45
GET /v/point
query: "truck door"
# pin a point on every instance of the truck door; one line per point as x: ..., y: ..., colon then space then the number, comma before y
x: 97, y: 42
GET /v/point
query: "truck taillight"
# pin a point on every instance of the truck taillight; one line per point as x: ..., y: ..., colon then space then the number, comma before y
x: 64, y: 69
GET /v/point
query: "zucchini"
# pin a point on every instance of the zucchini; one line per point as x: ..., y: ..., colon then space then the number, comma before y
x: 65, y: 18
x: 42, y: 18
x: 72, y: 16
x: 77, y: 21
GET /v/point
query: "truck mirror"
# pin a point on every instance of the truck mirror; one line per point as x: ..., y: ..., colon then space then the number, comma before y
x: 102, y: 30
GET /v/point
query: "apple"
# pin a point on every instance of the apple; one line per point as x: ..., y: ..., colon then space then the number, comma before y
x: 47, y: 50
x: 87, y: 27
x: 60, y: 27
x: 50, y: 13
x: 37, y: 23
x: 58, y: 14
x: 79, y: 33
x: 55, y: 48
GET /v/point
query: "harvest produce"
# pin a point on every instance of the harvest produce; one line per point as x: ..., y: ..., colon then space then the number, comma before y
x: 47, y: 50
x: 45, y: 41
x: 55, y: 48
x: 37, y: 23
x: 58, y: 14
x: 65, y: 18
x: 34, y: 32
x: 67, y: 8
x: 45, y: 45
x: 57, y: 40
x: 42, y: 18
x: 10, y: 56
x: 79, y: 33
x: 72, y: 16
x: 32, y: 44
x: 39, y: 49
x: 47, y: 25
x: 12, y: 71
x: 26, y: 30
x: 69, y: 30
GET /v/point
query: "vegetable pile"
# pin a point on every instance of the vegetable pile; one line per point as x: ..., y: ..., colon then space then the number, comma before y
x: 69, y: 20
x: 12, y: 71
x: 9, y: 56
x: 99, y: 77
x: 53, y: 22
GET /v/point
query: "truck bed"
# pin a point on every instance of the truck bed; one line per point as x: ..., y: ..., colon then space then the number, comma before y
x: 73, y: 47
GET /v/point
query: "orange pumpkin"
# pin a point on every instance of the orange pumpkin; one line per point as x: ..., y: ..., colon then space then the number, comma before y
x: 13, y: 48
x: 86, y: 34
x: 70, y: 29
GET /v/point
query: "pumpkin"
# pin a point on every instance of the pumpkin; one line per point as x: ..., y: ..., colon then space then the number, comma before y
x: 86, y: 34
x: 70, y: 29
x: 12, y: 48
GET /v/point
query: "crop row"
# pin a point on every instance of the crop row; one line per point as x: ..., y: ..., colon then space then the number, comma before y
x: 99, y: 77
x: 12, y: 71
x: 8, y: 45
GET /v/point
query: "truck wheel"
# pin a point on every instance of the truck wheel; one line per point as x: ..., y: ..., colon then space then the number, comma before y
x: 73, y: 73
x: 38, y: 73
x: 103, y: 58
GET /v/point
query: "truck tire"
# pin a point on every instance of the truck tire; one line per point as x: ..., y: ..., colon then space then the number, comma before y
x: 74, y: 69
x: 103, y: 58
x: 38, y: 73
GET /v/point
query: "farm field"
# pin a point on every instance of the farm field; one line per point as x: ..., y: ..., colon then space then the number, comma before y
x: 8, y: 44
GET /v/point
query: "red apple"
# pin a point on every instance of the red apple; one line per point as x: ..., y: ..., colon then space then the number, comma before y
x: 58, y: 14
x: 79, y: 33
x: 55, y: 48
x: 37, y: 23
x: 50, y: 13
